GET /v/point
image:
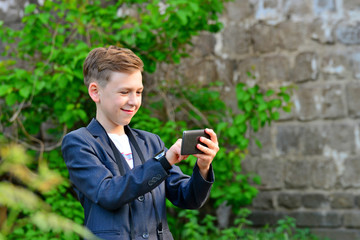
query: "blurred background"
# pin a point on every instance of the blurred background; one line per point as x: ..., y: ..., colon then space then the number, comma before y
x: 278, y: 80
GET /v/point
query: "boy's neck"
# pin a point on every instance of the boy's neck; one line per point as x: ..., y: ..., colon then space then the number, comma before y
x: 109, y: 128
x: 119, y: 130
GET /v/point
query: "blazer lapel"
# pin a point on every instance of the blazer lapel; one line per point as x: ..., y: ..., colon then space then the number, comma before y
x: 100, y: 135
x: 98, y: 131
x: 141, y: 144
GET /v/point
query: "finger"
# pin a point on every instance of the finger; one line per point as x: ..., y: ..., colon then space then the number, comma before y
x: 204, y: 157
x: 209, y: 143
x: 207, y: 151
x: 212, y: 134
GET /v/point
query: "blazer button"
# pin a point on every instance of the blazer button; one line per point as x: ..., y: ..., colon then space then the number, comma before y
x: 141, y: 198
x: 145, y: 235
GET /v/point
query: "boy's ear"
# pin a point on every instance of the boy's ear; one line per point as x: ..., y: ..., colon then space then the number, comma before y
x: 94, y: 91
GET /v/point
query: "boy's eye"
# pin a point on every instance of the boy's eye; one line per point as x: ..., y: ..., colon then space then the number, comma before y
x: 124, y: 92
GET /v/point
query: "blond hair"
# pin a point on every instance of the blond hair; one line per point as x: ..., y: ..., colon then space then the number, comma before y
x: 101, y: 62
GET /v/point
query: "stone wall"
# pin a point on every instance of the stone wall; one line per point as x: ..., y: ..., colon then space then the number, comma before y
x: 310, y: 159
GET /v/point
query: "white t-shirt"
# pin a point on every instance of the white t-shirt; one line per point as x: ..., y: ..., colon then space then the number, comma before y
x: 123, y: 145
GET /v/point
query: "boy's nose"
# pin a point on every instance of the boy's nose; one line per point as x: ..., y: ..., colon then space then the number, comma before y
x: 133, y: 100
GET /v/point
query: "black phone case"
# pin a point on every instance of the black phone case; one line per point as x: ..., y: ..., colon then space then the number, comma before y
x: 190, y: 139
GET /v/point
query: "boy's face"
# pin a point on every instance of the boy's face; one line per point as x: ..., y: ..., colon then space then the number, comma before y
x: 118, y: 101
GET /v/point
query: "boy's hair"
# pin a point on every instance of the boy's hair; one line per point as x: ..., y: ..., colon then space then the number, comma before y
x: 100, y: 62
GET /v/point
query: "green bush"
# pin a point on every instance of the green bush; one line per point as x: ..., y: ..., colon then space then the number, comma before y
x: 42, y: 86
x: 28, y: 216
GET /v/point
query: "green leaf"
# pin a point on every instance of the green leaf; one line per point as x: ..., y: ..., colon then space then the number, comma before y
x: 25, y: 91
x: 286, y: 97
x: 182, y: 15
x: 287, y: 108
x: 270, y: 93
x: 30, y: 8
x: 5, y: 89
x: 275, y: 115
x: 248, y: 106
x: 11, y: 99
x: 255, y: 123
x: 258, y: 143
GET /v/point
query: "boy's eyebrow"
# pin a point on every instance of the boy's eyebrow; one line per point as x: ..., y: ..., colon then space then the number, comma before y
x: 127, y: 88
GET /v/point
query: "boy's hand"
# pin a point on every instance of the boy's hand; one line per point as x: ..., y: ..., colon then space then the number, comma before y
x: 173, y: 154
x: 209, y: 152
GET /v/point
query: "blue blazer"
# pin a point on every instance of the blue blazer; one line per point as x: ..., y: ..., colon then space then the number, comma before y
x: 105, y: 194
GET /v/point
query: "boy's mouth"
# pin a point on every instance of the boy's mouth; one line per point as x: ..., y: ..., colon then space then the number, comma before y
x: 127, y: 111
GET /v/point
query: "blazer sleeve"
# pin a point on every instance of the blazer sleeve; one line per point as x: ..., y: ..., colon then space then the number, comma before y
x: 92, y: 178
x: 188, y: 192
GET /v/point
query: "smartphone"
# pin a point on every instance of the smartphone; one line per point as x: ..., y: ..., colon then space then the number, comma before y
x: 190, y: 139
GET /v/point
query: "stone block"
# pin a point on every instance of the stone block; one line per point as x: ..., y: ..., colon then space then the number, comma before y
x: 268, y: 11
x: 248, y: 70
x: 307, y: 101
x: 228, y: 95
x: 264, y: 137
x: 348, y: 33
x: 353, y: 98
x: 341, y: 200
x: 296, y: 10
x: 11, y: 11
x: 291, y: 34
x: 351, y: 5
x: 323, y: 6
x: 272, y: 4
x: 352, y: 219
x: 355, y: 63
x: 264, y: 38
x: 314, y: 200
x: 289, y: 200
x: 322, y: 31
x: 313, y: 139
x: 339, y: 137
x: 223, y: 213
x: 317, y: 219
x: 263, y: 201
x: 271, y: 172
x: 203, y: 45
x: 235, y: 41
x: 334, y: 104
x: 288, y: 139
x: 357, y: 200
x: 350, y: 176
x: 225, y: 71
x: 275, y: 69
x: 238, y: 10
x: 297, y: 174
x: 287, y: 116
x: 337, y: 234
x: 200, y: 71
x: 323, y: 174
x: 335, y: 65
x: 249, y: 164
x: 262, y: 218
x: 306, y: 67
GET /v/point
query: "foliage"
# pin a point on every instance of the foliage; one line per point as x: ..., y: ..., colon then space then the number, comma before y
x: 22, y: 196
x: 46, y: 55
x: 231, y: 187
x: 206, y: 229
x: 256, y: 107
x: 41, y: 86
x: 41, y: 91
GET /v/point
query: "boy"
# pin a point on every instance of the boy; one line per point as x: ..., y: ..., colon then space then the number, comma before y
x: 123, y: 195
